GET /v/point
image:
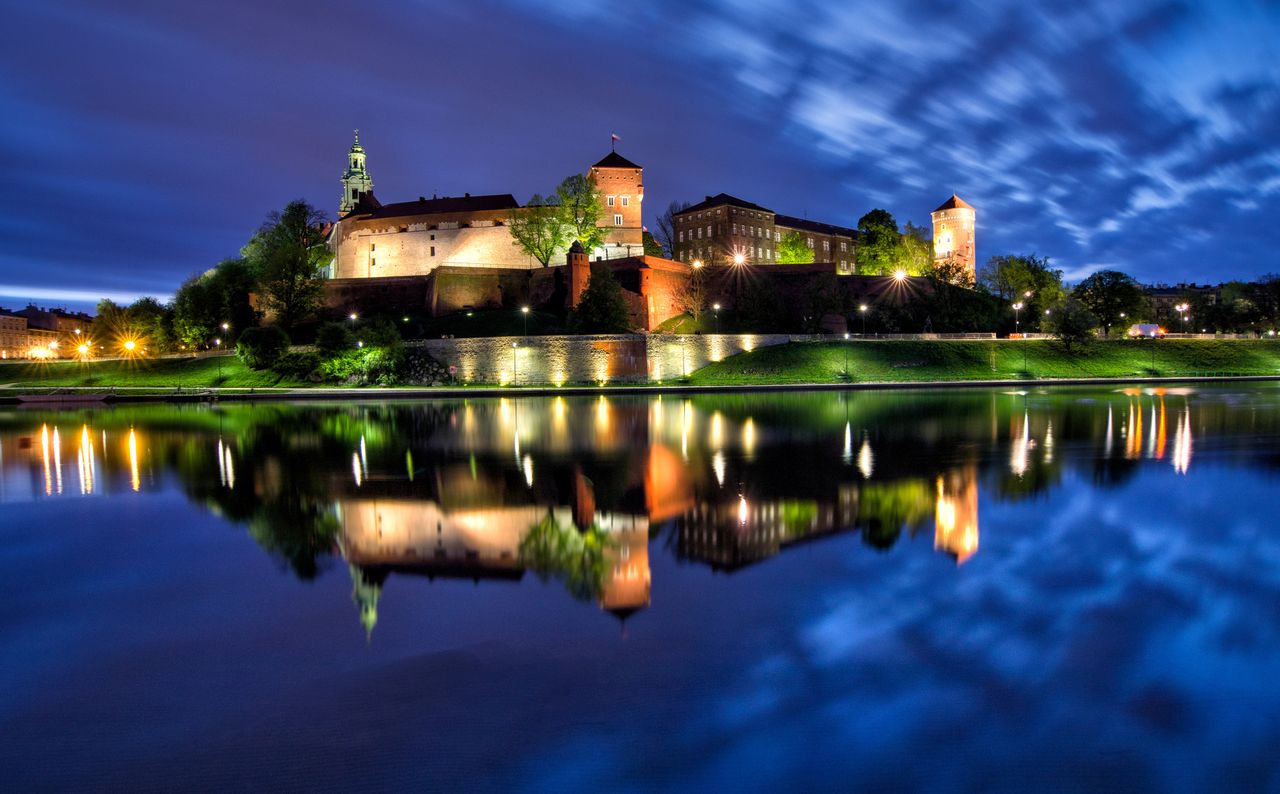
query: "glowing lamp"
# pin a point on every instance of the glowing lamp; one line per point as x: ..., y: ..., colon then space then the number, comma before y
x: 129, y: 345
x: 899, y: 275
x: 739, y: 259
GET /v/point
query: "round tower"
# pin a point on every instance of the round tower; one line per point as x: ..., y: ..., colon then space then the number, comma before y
x: 953, y: 238
x: 355, y: 180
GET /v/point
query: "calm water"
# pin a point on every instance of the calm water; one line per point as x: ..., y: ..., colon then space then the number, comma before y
x: 946, y: 591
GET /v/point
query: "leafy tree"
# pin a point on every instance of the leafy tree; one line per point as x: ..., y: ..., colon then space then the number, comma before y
x: 1072, y: 323
x: 289, y: 254
x: 879, y: 244
x: 793, y: 250
x: 1108, y: 294
x: 667, y: 226
x: 259, y: 348
x: 651, y: 245
x: 603, y: 308
x: 1028, y: 280
x: 334, y: 338
x: 538, y: 229
x: 915, y: 253
x: 206, y: 301
x: 195, y: 312
x: 153, y: 321
x: 580, y: 207
x: 949, y: 271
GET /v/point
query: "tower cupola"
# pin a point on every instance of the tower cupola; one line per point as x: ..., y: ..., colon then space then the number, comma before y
x: 355, y: 180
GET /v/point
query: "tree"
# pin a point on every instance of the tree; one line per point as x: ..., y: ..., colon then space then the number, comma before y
x: 651, y: 246
x: 1108, y: 294
x: 334, y: 338
x: 915, y: 254
x: 153, y: 322
x: 691, y: 294
x: 667, y: 226
x: 603, y: 309
x: 537, y: 228
x: 259, y: 348
x: 580, y: 207
x: 793, y: 250
x: 1072, y: 323
x: 879, y: 244
x: 1028, y: 280
x: 951, y: 272
x: 289, y: 254
x: 195, y: 308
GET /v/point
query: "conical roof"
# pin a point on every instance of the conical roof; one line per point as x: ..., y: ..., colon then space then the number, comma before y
x: 954, y: 203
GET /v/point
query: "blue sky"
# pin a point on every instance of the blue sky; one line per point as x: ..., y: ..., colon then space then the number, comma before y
x: 144, y: 141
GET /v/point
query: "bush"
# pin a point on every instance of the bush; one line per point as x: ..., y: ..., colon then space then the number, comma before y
x: 298, y: 366
x: 380, y: 333
x: 369, y: 366
x: 334, y: 338
x: 259, y: 348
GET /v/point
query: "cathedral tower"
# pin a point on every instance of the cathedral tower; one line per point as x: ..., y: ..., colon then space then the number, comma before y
x: 355, y: 180
x: 953, y: 224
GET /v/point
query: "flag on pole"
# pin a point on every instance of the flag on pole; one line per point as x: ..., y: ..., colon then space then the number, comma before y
x: 613, y: 141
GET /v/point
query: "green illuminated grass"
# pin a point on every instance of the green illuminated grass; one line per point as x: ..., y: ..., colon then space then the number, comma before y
x: 904, y: 361
x: 160, y: 373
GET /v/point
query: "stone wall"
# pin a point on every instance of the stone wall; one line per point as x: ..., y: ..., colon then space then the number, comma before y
x: 620, y: 358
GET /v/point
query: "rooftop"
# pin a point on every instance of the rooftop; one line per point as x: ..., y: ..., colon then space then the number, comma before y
x: 368, y: 207
x: 615, y: 160
x: 954, y: 203
x: 814, y: 226
x: 721, y: 199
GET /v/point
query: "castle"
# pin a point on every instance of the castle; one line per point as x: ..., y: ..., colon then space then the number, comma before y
x: 414, y: 238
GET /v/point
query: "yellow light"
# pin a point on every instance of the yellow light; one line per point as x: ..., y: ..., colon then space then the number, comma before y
x: 83, y: 350
x: 697, y: 263
x: 739, y: 259
x: 899, y: 275
x: 53, y: 345
x: 129, y: 345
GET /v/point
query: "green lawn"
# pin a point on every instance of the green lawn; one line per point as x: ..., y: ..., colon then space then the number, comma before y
x: 872, y: 361
x: 160, y: 373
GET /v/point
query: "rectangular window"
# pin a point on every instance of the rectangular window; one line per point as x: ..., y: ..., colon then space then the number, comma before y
x: 617, y: 220
x: 709, y: 229
x: 626, y: 201
x: 826, y: 245
x: 373, y: 262
x: 609, y: 201
x: 735, y: 228
x: 681, y: 236
x: 433, y: 250
x: 699, y: 232
x: 810, y: 241
x: 373, y: 246
x: 842, y: 245
x: 777, y: 237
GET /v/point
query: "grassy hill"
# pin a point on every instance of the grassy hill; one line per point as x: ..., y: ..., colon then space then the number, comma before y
x: 159, y: 373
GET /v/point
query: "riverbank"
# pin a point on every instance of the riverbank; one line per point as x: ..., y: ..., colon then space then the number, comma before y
x: 855, y: 364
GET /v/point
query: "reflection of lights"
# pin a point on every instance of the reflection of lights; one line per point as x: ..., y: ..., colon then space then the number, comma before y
x: 1182, y: 443
x: 717, y: 430
x: 602, y: 413
x: 133, y: 460
x: 355, y: 468
x: 847, y: 454
x: 57, y: 459
x: 717, y: 466
x: 1048, y: 443
x: 44, y: 449
x: 528, y: 470
x: 866, y: 460
x: 364, y: 458
x: 1021, y: 447
x: 85, y: 461
x: 1110, y: 432
x: 226, y: 468
x: 749, y: 438
x: 742, y: 509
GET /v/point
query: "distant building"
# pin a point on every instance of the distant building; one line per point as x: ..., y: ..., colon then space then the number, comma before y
x: 953, y: 233
x: 724, y: 229
x: 23, y: 337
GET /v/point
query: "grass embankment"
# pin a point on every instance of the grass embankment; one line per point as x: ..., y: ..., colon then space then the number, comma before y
x: 905, y: 361
x: 157, y: 373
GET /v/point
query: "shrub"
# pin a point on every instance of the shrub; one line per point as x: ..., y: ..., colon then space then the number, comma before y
x: 334, y: 338
x: 380, y: 333
x: 298, y: 366
x: 367, y: 366
x: 259, y: 347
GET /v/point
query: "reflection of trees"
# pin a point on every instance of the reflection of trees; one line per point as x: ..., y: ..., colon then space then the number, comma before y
x: 885, y: 509
x: 554, y: 551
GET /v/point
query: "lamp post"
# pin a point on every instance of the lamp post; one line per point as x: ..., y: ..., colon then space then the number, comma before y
x: 524, y: 312
x: 715, y: 309
x: 353, y: 317
x: 515, y: 366
x: 1182, y: 312
x: 862, y: 310
x: 846, y: 356
x: 218, y: 342
x: 1017, y: 323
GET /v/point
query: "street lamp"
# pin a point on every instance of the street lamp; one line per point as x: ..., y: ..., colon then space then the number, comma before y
x: 697, y: 263
x: 1017, y: 314
x: 218, y: 342
x: 1182, y: 312
x: 715, y: 309
x: 899, y: 275
x: 739, y: 259
x: 862, y: 309
x: 846, y: 356
x: 524, y: 310
x: 515, y: 365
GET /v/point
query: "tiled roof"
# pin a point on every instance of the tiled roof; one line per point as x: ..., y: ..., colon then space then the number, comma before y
x: 370, y: 208
x: 814, y: 226
x: 615, y: 160
x: 955, y: 202
x: 721, y: 199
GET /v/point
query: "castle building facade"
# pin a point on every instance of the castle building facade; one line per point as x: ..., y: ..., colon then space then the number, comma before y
x: 414, y: 238
x: 725, y: 229
x: 953, y: 233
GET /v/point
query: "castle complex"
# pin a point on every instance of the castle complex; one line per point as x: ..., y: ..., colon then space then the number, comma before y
x: 414, y: 238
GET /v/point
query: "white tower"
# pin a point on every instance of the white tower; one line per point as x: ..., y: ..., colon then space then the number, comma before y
x: 355, y: 180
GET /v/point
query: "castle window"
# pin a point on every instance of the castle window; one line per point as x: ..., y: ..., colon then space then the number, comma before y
x: 842, y: 245
x: 617, y: 220
x: 373, y: 246
x: 826, y: 245
x: 373, y: 262
x: 433, y: 237
x: 682, y: 236
x: 626, y: 201
x: 810, y: 241
x: 777, y: 237
x: 433, y: 250
x: 609, y: 201
x: 709, y: 229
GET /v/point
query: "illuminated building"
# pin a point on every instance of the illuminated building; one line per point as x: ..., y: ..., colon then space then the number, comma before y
x: 953, y: 233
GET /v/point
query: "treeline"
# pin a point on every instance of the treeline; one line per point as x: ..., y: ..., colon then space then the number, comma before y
x: 278, y: 272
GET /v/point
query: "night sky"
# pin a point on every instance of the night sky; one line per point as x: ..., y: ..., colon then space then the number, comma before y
x: 143, y: 141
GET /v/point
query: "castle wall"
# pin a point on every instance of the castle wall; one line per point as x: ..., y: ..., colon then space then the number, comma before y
x: 366, y: 249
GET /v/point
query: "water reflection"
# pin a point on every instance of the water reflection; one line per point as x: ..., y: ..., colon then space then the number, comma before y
x: 579, y: 491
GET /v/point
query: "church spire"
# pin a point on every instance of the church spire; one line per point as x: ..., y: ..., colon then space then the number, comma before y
x: 355, y: 180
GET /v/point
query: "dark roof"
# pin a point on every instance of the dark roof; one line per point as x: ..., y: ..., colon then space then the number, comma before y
x: 955, y: 202
x: 615, y: 160
x: 369, y: 206
x: 721, y: 199
x: 813, y: 226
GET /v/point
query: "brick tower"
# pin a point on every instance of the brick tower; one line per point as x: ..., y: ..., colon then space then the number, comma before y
x: 621, y: 183
x: 953, y: 224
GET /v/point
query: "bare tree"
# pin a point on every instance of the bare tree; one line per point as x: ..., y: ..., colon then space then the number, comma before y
x: 666, y: 235
x: 691, y: 296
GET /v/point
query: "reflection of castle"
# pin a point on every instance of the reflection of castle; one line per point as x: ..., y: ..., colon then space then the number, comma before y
x: 956, y: 513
